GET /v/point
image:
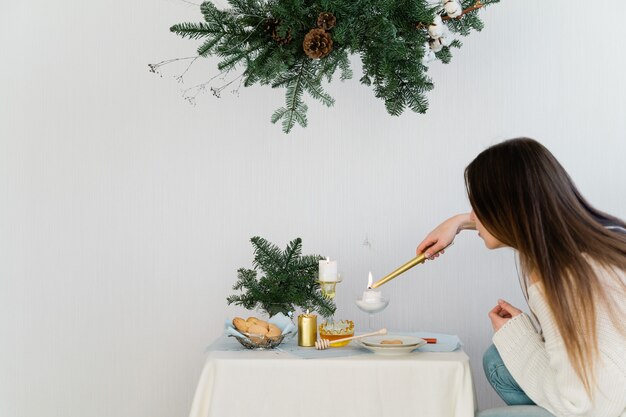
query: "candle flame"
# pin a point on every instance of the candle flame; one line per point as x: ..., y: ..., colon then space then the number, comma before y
x: 369, y: 280
x: 328, y: 259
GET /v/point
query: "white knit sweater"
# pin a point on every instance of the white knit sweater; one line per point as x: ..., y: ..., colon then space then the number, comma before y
x: 543, y: 370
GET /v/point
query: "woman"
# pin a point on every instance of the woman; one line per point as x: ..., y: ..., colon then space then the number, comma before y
x: 573, y: 260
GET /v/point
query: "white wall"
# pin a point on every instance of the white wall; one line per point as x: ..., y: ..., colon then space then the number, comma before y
x: 125, y: 212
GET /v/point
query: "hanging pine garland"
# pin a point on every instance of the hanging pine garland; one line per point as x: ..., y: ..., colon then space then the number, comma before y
x: 298, y: 44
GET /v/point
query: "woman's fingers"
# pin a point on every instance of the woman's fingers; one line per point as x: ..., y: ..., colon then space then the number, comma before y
x: 439, y: 238
x: 426, y: 244
x: 498, y: 317
x: 509, y: 309
x: 494, y: 316
x: 496, y: 309
x: 433, y: 251
x: 495, y: 312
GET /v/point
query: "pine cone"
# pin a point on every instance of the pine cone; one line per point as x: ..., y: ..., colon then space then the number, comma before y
x: 326, y: 21
x: 271, y: 27
x: 317, y: 44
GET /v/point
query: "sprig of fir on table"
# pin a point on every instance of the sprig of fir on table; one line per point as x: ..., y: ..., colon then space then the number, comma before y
x: 297, y: 44
x: 281, y: 280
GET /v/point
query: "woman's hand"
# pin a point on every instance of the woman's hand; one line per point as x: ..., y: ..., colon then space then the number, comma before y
x: 502, y: 313
x: 443, y: 235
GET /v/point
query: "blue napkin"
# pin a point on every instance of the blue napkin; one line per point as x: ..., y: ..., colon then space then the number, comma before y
x: 445, y: 342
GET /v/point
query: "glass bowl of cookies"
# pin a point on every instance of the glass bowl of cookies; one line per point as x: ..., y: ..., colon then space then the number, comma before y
x: 255, y: 333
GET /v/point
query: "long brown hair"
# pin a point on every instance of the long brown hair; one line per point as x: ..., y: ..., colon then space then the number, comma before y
x: 526, y: 200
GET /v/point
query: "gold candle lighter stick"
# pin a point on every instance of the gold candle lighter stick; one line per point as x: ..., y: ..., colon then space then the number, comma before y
x: 421, y: 258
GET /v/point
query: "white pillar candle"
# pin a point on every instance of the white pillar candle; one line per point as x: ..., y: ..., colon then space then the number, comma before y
x: 328, y: 270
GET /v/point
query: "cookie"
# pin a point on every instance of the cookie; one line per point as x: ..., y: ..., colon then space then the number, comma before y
x: 257, y: 330
x: 391, y: 342
x: 274, y: 331
x: 263, y: 324
x: 240, y: 324
x: 254, y: 320
x: 257, y: 334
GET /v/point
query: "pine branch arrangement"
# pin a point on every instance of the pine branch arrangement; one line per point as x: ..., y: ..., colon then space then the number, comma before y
x: 288, y: 280
x: 300, y: 44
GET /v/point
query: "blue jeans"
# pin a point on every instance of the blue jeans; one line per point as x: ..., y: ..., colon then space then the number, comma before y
x: 504, y: 384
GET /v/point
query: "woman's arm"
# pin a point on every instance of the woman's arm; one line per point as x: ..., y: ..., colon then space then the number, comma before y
x: 444, y: 234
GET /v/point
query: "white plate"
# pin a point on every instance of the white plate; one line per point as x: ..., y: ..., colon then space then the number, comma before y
x: 397, y: 350
x: 375, y: 341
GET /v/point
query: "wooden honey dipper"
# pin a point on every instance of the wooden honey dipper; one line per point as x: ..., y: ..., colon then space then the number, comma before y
x: 322, y: 344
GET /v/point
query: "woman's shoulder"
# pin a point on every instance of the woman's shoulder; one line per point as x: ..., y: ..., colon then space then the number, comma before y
x: 610, y: 276
x: 605, y: 272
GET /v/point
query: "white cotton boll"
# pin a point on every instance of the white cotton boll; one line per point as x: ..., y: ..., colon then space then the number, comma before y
x: 434, y: 2
x: 435, y: 29
x: 453, y: 8
x: 436, y: 44
x: 447, y: 37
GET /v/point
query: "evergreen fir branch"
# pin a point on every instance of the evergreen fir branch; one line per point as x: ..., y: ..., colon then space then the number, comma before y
x: 269, y: 67
x: 246, y: 278
x: 284, y: 79
x: 282, y: 30
x: 195, y: 30
x: 266, y: 255
x: 344, y: 66
x: 326, y: 68
x: 205, y: 48
x: 297, y: 114
x: 247, y: 7
x: 417, y: 102
x: 313, y: 86
x: 234, y: 56
x: 323, y: 305
x: 250, y: 78
x: 469, y: 21
x: 232, y: 61
x: 296, y: 109
x: 394, y: 104
x: 213, y: 15
x: 444, y: 55
x: 308, y: 265
x: 366, y: 80
x: 289, y: 280
x: 278, y: 114
x: 265, y: 38
x: 294, y: 249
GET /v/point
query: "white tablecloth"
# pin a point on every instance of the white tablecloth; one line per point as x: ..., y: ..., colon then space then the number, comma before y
x: 277, y: 384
